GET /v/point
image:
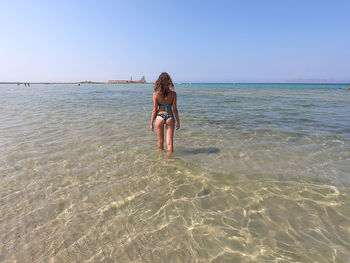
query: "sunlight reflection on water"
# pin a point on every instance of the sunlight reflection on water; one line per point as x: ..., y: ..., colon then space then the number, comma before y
x: 259, y: 174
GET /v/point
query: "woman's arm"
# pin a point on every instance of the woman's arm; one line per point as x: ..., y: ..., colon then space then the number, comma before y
x: 154, y: 111
x: 176, y: 113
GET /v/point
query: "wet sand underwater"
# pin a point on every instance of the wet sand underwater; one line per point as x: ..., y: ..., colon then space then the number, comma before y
x: 260, y: 173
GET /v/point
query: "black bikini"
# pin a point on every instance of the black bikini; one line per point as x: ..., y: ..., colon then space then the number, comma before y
x: 167, y: 115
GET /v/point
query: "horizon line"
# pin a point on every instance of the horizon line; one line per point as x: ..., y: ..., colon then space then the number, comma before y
x: 178, y: 82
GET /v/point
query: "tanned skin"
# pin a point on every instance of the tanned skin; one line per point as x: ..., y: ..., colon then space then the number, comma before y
x: 171, y: 98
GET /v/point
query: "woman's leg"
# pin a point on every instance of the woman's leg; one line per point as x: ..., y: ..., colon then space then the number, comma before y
x: 170, y: 126
x: 160, y: 132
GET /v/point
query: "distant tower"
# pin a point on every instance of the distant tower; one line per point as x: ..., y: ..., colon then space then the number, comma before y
x: 131, y: 79
x: 143, y: 79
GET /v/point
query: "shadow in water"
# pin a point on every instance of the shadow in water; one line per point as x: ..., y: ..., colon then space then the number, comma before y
x: 201, y: 150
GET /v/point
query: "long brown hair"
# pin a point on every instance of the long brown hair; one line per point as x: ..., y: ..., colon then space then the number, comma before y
x: 164, y: 84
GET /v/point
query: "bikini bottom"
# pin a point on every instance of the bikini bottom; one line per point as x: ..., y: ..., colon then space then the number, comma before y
x: 165, y: 116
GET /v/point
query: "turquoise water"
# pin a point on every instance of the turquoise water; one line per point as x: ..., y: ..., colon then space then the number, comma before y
x: 260, y: 173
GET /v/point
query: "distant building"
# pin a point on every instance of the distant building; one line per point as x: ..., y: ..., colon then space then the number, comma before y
x: 123, y: 81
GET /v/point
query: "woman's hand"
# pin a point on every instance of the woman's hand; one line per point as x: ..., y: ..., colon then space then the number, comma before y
x: 152, y: 128
x: 177, y: 125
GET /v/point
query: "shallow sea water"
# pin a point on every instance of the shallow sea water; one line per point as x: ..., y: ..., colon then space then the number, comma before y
x: 260, y: 173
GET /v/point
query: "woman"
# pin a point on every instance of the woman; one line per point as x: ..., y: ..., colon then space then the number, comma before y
x: 164, y: 108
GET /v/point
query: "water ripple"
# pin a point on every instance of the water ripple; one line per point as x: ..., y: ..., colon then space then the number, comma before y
x: 259, y: 174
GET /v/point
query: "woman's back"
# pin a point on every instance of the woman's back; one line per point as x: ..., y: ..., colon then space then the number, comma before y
x: 165, y: 103
x: 164, y: 109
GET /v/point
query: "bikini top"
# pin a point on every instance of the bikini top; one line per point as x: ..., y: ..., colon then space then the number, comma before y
x: 166, y: 106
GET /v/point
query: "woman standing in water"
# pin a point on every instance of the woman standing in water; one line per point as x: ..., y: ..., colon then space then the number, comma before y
x: 164, y: 106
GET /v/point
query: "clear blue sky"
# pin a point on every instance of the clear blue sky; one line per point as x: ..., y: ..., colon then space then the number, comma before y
x: 198, y: 41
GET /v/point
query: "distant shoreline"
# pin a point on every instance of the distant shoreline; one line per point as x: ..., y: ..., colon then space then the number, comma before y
x: 240, y: 83
x: 75, y: 83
